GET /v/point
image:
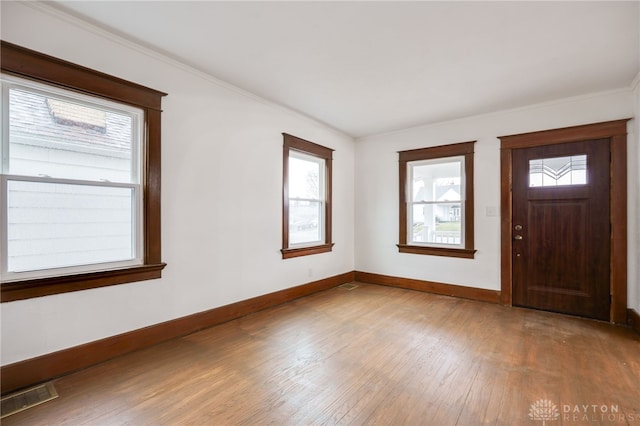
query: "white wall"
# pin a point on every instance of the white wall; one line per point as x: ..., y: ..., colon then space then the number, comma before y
x: 221, y: 196
x: 634, y: 190
x: 377, y: 186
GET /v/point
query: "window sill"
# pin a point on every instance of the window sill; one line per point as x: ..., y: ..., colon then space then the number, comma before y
x: 19, y: 290
x: 305, y: 251
x: 437, y: 251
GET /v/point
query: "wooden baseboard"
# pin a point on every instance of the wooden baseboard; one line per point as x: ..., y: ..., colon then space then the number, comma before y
x: 492, y: 296
x: 56, y: 364
x: 633, y: 318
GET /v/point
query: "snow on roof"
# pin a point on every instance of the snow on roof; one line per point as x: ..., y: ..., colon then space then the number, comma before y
x: 38, y: 116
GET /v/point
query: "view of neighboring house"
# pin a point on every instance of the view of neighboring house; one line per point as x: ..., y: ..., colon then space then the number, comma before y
x: 42, y: 223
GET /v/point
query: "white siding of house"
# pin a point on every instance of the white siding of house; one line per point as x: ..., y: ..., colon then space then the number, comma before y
x: 56, y: 225
x: 51, y: 159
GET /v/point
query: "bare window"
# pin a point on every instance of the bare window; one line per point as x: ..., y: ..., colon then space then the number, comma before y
x: 436, y: 200
x: 71, y: 183
x: 306, y: 224
x: 80, y: 177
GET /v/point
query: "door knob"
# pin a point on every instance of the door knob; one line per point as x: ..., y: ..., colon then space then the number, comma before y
x: 517, y: 237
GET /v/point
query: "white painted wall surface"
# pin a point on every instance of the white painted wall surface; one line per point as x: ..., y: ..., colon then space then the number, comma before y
x: 377, y: 186
x: 634, y: 193
x: 221, y: 196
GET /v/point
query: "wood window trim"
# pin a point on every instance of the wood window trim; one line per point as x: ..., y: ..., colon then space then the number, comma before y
x: 25, y: 63
x: 616, y: 132
x: 295, y: 143
x: 465, y: 149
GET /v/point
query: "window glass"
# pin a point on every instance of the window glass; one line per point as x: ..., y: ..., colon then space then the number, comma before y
x: 54, y: 225
x: 558, y: 171
x: 63, y: 138
x: 304, y: 176
x: 306, y: 189
x: 304, y: 220
x: 437, y: 204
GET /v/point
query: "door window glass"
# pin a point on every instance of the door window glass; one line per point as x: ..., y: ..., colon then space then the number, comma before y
x: 558, y: 171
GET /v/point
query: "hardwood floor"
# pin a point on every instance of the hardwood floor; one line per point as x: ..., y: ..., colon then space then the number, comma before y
x: 372, y: 355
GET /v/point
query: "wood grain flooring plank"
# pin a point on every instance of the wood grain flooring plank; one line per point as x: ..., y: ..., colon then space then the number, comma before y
x: 374, y: 355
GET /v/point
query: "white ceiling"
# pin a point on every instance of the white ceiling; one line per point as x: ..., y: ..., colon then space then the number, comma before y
x: 370, y: 67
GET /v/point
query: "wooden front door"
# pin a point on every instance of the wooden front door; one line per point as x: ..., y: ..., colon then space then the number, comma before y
x: 561, y: 228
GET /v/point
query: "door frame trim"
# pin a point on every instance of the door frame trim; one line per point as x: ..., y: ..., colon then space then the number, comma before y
x: 616, y: 132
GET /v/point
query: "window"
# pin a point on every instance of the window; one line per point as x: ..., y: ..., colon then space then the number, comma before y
x: 306, y: 223
x: 70, y: 182
x: 436, y: 201
x: 558, y: 171
x: 79, y: 188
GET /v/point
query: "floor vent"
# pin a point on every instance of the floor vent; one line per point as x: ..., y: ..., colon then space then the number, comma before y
x: 348, y: 286
x: 25, y: 399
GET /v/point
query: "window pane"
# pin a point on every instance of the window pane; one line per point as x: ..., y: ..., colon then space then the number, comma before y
x: 437, y: 181
x: 52, y: 225
x: 305, y: 177
x: 438, y: 223
x: 558, y: 171
x: 305, y: 222
x: 51, y: 136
